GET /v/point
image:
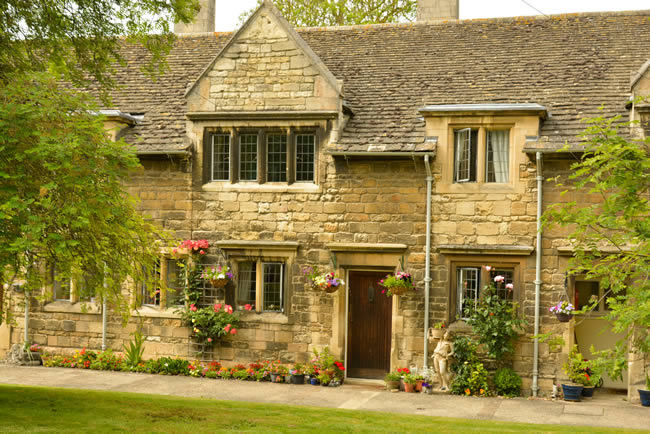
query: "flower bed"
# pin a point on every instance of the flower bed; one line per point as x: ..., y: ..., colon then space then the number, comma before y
x: 322, y: 365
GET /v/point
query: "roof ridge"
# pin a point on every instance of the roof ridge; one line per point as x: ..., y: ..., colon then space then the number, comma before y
x: 468, y: 20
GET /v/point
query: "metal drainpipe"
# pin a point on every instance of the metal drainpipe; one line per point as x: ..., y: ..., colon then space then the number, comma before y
x: 427, y: 266
x: 104, y: 313
x: 26, y: 317
x: 538, y: 272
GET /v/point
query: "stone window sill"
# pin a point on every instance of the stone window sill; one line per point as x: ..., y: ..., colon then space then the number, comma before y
x: 253, y: 187
x: 263, y: 317
x: 152, y: 312
x: 69, y: 307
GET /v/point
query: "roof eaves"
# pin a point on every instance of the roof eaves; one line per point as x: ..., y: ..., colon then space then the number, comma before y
x: 635, y: 79
x: 503, y: 109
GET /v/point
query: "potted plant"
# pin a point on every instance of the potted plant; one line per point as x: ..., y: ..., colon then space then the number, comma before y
x: 592, y: 378
x: 396, y: 284
x: 392, y: 380
x: 297, y: 374
x: 410, y: 381
x: 645, y: 394
x: 218, y: 276
x: 562, y: 311
x: 278, y: 372
x: 427, y: 388
x: 437, y: 331
x: 327, y: 282
x: 576, y: 369
x: 402, y: 372
x: 419, y: 381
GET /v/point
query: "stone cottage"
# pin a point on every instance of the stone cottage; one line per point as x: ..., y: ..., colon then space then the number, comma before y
x: 365, y: 149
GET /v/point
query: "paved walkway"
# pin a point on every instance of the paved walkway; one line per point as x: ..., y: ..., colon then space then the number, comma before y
x: 607, y: 410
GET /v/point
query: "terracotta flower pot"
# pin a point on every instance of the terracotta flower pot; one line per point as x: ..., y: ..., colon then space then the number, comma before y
x: 418, y: 385
x: 409, y: 388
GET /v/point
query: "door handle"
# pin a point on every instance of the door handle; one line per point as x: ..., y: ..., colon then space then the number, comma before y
x: 371, y: 294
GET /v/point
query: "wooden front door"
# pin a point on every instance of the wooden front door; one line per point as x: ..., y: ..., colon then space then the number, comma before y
x: 369, y: 326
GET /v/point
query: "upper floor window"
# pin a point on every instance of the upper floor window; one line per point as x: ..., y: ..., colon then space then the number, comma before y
x: 264, y: 155
x: 493, y: 155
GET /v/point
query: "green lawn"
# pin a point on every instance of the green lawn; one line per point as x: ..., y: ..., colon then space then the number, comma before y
x: 72, y: 410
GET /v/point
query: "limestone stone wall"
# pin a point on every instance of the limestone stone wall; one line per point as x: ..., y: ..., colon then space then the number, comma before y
x: 164, y: 190
x: 265, y: 68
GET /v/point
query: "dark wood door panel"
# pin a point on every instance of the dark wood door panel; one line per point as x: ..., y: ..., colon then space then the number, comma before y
x: 369, y: 326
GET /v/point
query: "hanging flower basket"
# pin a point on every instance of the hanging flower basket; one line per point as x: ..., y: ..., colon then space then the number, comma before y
x: 330, y: 289
x: 396, y: 284
x: 219, y: 283
x: 562, y: 311
x: 326, y: 282
x: 218, y: 276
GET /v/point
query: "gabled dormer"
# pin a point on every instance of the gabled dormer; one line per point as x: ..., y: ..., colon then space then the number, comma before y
x: 263, y: 109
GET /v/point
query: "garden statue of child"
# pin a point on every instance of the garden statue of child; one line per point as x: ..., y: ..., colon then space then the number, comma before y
x: 441, y: 355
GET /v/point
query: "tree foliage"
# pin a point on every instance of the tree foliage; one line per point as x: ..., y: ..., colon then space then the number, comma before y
x: 611, y: 238
x: 80, y: 39
x: 62, y: 200
x: 317, y: 13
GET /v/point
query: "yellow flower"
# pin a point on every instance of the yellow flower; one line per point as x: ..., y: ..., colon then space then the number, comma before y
x: 467, y: 392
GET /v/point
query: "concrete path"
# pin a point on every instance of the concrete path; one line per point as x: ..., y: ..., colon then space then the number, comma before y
x: 607, y: 410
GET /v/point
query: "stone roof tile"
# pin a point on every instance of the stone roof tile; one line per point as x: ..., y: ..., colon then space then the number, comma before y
x: 571, y: 64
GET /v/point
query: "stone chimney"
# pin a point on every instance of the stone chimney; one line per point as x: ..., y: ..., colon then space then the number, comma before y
x: 429, y: 10
x: 203, y: 21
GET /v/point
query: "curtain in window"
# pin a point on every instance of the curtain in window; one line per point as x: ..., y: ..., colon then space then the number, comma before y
x: 497, y: 156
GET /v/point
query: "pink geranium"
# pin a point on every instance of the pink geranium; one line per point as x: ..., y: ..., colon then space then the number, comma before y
x: 192, y: 307
x: 228, y: 308
x: 248, y: 307
x: 227, y: 328
x: 233, y: 331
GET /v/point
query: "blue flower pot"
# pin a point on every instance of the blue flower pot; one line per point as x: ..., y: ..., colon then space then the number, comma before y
x: 588, y: 392
x: 572, y: 393
x: 645, y: 397
x: 314, y: 381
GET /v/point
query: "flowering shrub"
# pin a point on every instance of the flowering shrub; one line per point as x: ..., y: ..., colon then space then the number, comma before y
x: 328, y: 282
x: 211, y: 323
x: 222, y: 272
x: 34, y: 348
x: 496, y: 322
x: 194, y: 247
x: 396, y: 284
x: 107, y: 361
x: 562, y: 307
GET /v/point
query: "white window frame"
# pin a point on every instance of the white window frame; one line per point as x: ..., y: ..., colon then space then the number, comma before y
x: 488, y: 137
